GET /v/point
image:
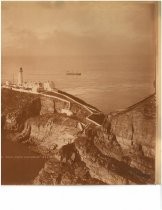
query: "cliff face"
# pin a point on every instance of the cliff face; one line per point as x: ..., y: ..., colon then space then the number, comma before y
x: 66, y: 169
x: 122, y: 151
x: 105, y: 168
x: 50, y: 105
x: 136, y: 127
x: 135, y: 131
x: 52, y: 131
x: 127, y: 142
x: 17, y: 107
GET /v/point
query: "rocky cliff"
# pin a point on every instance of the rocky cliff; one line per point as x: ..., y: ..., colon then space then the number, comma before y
x: 121, y: 151
x: 52, y: 131
x: 17, y: 107
x: 135, y: 131
x: 136, y: 125
x: 106, y: 168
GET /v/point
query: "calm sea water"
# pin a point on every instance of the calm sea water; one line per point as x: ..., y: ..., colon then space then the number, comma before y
x: 109, y: 82
x: 19, y: 165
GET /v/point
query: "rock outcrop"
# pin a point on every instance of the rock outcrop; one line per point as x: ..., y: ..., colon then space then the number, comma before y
x: 135, y: 131
x: 121, y: 151
x: 17, y: 107
x: 68, y: 169
x: 137, y: 126
x: 52, y: 105
x: 52, y: 131
x: 108, y: 169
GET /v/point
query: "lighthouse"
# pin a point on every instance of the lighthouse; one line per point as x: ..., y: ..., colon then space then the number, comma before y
x: 20, y: 77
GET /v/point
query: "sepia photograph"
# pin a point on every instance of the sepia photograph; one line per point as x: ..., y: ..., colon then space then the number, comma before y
x: 80, y: 93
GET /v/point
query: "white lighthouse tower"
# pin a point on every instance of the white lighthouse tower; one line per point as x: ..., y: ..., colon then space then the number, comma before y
x: 20, y: 77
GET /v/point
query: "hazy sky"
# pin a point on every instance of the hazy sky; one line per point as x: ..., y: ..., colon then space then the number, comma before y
x: 104, y: 29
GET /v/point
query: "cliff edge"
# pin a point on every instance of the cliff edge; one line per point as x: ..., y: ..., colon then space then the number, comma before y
x: 120, y: 151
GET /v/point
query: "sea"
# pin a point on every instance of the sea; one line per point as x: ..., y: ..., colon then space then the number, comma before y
x: 109, y: 82
x: 19, y: 165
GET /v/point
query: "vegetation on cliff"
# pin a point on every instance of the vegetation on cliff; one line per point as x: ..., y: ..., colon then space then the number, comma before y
x: 15, y: 100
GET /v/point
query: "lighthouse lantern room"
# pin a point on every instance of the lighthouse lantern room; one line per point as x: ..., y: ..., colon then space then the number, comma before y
x: 20, y: 77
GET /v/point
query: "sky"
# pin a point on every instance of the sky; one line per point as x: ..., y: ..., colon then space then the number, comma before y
x: 105, y: 31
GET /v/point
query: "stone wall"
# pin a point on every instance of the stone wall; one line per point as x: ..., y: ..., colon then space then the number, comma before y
x: 51, y: 105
